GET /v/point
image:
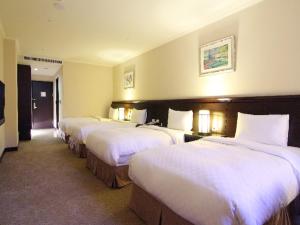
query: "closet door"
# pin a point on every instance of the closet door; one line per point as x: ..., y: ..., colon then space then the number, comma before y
x: 24, y: 102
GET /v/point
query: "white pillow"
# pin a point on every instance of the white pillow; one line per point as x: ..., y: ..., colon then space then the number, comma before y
x: 113, y: 114
x: 180, y: 120
x: 267, y: 129
x: 139, y: 116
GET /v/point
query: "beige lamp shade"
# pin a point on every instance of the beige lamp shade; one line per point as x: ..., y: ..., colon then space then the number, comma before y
x: 204, y: 121
x: 121, y: 113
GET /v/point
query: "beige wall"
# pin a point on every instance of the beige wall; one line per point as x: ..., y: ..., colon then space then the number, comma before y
x: 268, y: 51
x: 11, y: 101
x: 87, y: 89
x: 2, y: 127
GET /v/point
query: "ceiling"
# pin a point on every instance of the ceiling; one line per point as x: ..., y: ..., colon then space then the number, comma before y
x: 40, y: 68
x: 106, y: 32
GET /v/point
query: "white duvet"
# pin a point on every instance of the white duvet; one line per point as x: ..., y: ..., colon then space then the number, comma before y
x: 65, y: 125
x: 220, y: 181
x: 81, y: 131
x: 116, y: 146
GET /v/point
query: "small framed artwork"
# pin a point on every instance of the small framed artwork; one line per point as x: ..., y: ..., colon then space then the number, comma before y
x: 217, y: 56
x: 129, y: 79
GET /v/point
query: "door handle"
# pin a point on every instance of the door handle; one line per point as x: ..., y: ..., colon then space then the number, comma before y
x: 34, y: 106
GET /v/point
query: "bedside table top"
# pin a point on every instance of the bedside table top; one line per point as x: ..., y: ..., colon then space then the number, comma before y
x: 196, y: 136
x: 192, y: 137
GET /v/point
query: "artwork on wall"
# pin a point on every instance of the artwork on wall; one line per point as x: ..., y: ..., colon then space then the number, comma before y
x: 217, y: 56
x: 128, y: 79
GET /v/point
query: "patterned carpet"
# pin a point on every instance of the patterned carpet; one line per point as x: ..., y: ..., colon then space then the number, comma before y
x: 45, y: 184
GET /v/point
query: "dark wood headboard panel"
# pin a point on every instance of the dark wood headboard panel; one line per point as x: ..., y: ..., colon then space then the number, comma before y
x: 158, y: 109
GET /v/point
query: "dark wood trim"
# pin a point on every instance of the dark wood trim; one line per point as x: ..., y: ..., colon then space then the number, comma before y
x: 24, y: 102
x: 286, y: 98
x: 57, y: 101
x: 10, y: 149
x: 2, y: 102
x: 2, y: 156
x: 228, y: 106
x: 2, y: 121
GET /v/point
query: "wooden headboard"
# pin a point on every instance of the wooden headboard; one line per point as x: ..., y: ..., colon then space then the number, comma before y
x: 158, y: 109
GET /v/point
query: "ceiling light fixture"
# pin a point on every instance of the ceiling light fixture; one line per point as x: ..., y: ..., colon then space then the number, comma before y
x: 224, y: 99
x: 36, y: 69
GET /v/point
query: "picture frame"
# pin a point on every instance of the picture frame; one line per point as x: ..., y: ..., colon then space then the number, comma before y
x: 217, y: 56
x: 128, y: 79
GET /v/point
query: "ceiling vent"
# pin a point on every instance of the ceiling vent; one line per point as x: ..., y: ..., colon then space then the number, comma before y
x: 42, y: 60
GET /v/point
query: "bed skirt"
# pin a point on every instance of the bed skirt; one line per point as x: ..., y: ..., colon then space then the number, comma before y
x: 153, y: 212
x: 62, y: 135
x: 77, y: 147
x: 112, y: 176
x: 66, y: 138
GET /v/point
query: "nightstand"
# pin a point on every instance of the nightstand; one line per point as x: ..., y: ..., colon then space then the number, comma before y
x: 192, y: 137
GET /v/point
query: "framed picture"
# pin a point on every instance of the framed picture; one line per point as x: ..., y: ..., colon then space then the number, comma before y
x: 217, y: 56
x: 129, y: 79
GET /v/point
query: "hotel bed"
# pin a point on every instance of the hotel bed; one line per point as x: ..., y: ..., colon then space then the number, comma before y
x: 108, y: 152
x: 224, y: 181
x: 66, y: 124
x: 215, y: 181
x: 79, y: 133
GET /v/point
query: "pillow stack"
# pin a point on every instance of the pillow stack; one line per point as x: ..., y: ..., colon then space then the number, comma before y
x: 180, y: 120
x: 138, y: 116
x: 266, y: 129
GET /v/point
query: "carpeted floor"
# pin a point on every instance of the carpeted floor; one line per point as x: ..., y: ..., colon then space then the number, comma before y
x: 45, y: 184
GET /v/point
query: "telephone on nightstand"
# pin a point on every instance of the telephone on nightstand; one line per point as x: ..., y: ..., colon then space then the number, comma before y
x: 153, y: 122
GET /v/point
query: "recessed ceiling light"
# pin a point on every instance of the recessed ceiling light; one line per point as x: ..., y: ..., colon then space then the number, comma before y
x: 36, y: 69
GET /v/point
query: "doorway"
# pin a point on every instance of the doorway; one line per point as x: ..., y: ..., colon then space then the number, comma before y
x: 42, y: 104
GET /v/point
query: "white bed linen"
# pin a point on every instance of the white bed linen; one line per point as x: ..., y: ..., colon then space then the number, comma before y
x: 116, y: 146
x: 220, y: 181
x: 81, y: 132
x: 66, y: 124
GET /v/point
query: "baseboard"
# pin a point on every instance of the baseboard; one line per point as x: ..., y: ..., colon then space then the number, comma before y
x: 2, y: 155
x: 10, y: 149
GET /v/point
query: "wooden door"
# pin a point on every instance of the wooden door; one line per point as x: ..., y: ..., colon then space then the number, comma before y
x: 42, y: 104
x: 24, y: 102
x: 57, y: 101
